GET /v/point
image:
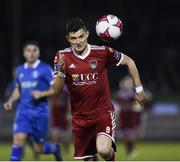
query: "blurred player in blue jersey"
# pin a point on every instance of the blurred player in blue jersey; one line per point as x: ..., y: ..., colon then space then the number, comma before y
x: 33, y: 86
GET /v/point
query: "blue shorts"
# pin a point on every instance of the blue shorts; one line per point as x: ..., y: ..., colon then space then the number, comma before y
x: 35, y: 124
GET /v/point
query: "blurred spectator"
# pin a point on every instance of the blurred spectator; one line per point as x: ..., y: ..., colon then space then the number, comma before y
x: 60, y: 119
x: 129, y: 119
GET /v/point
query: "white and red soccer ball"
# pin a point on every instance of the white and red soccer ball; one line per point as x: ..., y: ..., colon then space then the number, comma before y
x: 109, y: 27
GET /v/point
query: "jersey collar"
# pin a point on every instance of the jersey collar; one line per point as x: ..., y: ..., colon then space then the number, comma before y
x: 35, y: 64
x: 85, y: 54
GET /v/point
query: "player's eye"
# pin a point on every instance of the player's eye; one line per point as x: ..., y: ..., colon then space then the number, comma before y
x: 73, y: 38
x: 28, y: 50
x: 81, y: 36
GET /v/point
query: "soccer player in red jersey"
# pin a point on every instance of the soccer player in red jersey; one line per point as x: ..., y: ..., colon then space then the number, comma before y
x: 84, y: 69
x: 129, y: 116
x: 60, y: 129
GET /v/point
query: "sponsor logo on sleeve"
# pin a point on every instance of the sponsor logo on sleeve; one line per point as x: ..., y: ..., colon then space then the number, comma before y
x: 117, y: 55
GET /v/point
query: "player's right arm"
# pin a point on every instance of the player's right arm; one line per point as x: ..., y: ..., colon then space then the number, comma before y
x: 59, y: 73
x: 14, y: 97
x: 58, y: 84
x: 133, y: 71
x: 118, y: 58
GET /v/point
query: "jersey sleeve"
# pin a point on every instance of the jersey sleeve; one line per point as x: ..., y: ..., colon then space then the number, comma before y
x: 56, y: 65
x: 17, y: 81
x: 49, y: 75
x: 113, y: 57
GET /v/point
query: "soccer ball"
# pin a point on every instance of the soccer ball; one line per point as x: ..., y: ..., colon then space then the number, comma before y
x: 109, y: 27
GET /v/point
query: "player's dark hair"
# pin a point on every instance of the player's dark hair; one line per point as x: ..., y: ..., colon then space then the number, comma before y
x: 31, y: 42
x: 73, y: 25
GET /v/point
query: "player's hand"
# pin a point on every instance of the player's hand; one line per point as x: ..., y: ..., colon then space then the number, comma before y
x: 136, y: 106
x: 36, y: 94
x: 140, y: 98
x: 8, y: 105
x: 61, y: 63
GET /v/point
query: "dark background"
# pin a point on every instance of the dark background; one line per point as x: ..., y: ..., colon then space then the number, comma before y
x: 151, y: 31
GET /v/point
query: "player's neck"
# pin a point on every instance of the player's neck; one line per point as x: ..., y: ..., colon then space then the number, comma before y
x: 83, y: 52
x: 31, y: 64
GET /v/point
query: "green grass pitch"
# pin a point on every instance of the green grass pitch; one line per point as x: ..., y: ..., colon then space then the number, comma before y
x: 145, y: 151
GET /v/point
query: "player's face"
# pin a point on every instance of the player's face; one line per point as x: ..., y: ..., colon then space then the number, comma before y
x: 31, y: 53
x: 78, y: 40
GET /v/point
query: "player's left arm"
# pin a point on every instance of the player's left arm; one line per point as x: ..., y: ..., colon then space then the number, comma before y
x: 41, y: 94
x: 56, y: 80
x: 133, y: 71
x: 48, y: 77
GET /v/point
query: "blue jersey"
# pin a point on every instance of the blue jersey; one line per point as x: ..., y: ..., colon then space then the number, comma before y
x: 38, y: 77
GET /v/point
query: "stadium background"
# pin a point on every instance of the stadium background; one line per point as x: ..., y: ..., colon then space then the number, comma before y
x: 150, y: 36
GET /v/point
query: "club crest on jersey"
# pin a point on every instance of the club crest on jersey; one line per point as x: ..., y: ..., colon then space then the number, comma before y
x: 93, y: 64
x: 117, y: 55
x: 21, y: 75
x: 35, y: 74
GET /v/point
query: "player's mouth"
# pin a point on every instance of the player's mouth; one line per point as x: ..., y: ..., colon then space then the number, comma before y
x: 79, y: 46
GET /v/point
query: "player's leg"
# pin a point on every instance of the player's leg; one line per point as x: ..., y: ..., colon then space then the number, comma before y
x: 105, y: 127
x: 84, y: 139
x: 19, y: 141
x: 46, y: 148
x: 41, y: 146
x: 35, y: 154
x: 94, y: 158
x: 21, y: 129
x: 58, y: 135
x: 104, y: 147
x: 129, y: 138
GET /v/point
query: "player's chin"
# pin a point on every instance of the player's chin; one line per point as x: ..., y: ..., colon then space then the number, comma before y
x: 80, y: 49
x: 31, y: 60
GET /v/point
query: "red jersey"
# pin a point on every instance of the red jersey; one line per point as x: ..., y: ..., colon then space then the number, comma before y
x: 87, y: 80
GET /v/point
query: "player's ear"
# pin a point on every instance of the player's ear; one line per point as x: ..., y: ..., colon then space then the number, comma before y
x: 87, y: 33
x: 67, y: 38
x: 24, y: 53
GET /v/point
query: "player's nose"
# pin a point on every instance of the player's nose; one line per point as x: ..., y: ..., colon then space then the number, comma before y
x: 78, y: 41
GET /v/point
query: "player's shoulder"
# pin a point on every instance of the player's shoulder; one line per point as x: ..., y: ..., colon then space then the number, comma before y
x: 45, y: 65
x: 101, y: 48
x: 20, y: 67
x: 65, y: 51
x: 97, y: 47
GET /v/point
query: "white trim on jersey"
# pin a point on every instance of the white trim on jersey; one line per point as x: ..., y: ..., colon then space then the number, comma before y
x: 83, y: 157
x: 34, y: 65
x: 69, y: 49
x: 85, y: 54
x: 120, y: 60
x: 95, y: 47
